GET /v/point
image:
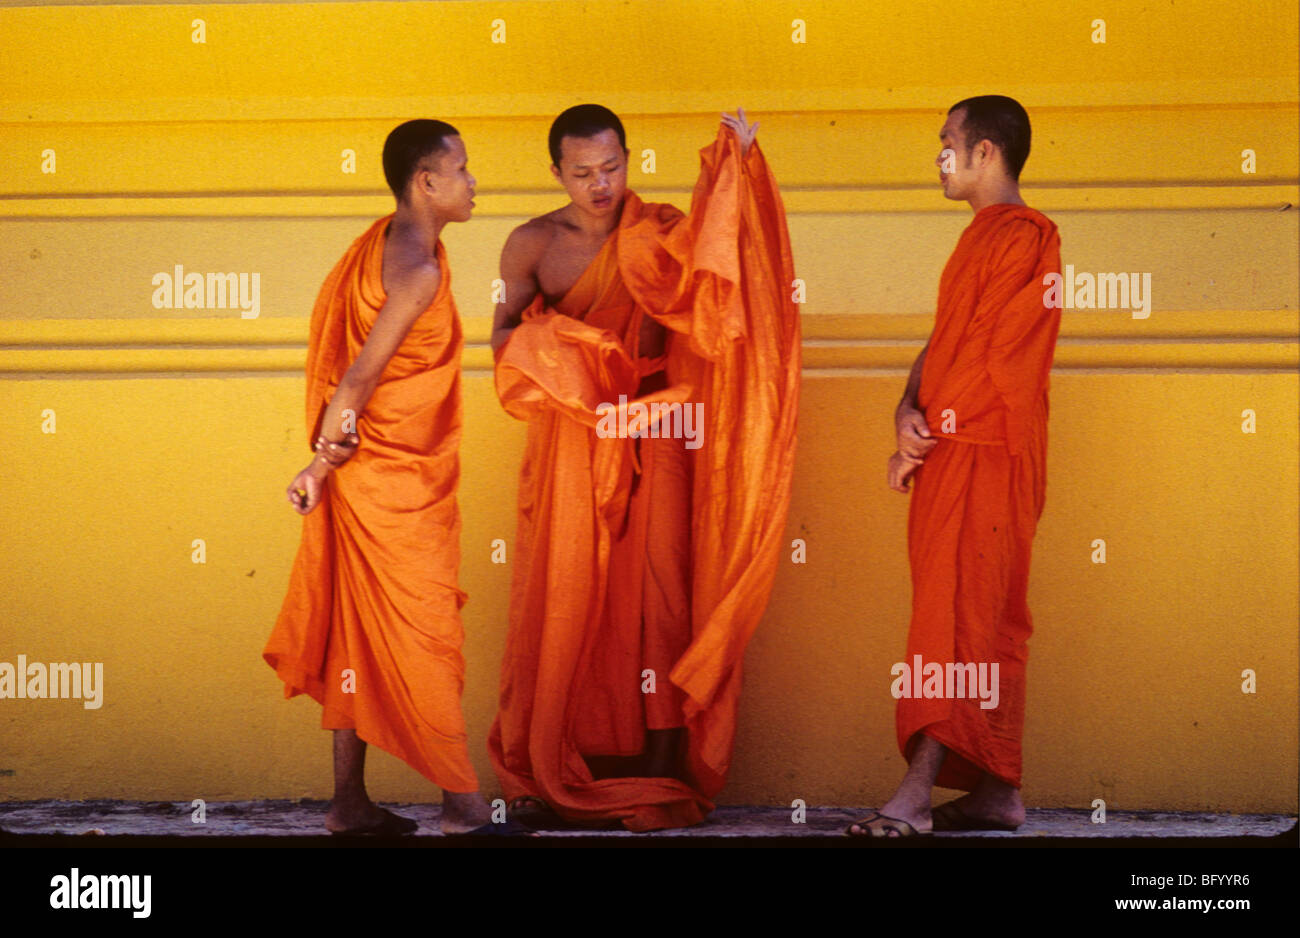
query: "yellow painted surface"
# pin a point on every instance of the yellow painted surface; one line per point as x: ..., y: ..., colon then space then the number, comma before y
x: 177, y: 425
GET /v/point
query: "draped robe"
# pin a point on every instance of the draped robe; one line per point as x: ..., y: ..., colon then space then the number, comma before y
x: 370, y: 627
x: 977, y: 499
x: 640, y: 563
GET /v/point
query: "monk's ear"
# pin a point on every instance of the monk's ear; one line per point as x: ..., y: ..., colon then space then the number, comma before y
x: 555, y: 171
x: 425, y: 177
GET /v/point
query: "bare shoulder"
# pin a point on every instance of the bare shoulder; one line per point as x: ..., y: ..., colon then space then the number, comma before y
x: 409, y: 270
x: 531, y: 239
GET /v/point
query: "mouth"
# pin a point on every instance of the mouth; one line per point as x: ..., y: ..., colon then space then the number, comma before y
x: 602, y: 201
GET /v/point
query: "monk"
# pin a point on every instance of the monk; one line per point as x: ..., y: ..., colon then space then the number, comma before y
x: 371, y: 625
x: 972, y: 433
x: 655, y: 356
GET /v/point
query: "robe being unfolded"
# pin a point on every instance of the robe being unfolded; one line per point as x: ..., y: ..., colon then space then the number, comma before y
x: 646, y: 556
x: 977, y: 498
x: 371, y: 624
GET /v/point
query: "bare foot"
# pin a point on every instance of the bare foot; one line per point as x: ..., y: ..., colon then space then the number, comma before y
x: 462, y: 812
x: 996, y: 805
x: 354, y: 815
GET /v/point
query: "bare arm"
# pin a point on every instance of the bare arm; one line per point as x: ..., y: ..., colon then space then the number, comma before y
x: 909, y: 400
x: 412, y: 288
x: 914, y: 439
x: 519, y: 260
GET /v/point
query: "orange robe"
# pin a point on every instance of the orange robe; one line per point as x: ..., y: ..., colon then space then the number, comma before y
x: 374, y: 585
x: 644, y: 555
x: 977, y: 498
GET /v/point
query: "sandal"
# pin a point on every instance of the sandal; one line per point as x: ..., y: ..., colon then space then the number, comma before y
x: 900, y: 827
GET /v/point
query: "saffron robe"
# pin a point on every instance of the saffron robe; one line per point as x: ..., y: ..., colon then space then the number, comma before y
x: 639, y: 555
x: 373, y: 590
x: 977, y: 498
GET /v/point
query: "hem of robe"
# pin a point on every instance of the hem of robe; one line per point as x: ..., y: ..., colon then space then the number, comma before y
x: 298, y: 681
x: 686, y: 812
x: 961, y: 769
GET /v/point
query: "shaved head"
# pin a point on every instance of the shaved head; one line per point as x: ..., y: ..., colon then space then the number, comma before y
x: 410, y: 143
x: 583, y: 121
x: 999, y: 120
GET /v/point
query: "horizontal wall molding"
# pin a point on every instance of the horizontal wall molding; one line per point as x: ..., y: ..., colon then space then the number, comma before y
x: 529, y: 205
x: 1230, y: 340
x: 841, y: 153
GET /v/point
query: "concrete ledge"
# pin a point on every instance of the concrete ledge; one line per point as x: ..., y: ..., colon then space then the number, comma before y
x: 299, y: 819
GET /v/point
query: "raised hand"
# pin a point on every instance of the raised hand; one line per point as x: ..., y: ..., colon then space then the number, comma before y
x: 745, y: 132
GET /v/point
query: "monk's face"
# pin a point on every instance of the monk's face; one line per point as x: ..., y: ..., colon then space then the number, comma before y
x: 593, y: 170
x: 960, y: 169
x: 447, y: 182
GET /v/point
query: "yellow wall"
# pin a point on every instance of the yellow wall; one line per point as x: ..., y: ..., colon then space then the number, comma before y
x: 225, y: 156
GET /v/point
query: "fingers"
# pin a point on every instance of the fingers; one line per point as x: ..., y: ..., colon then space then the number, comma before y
x: 916, y: 449
x: 915, y: 424
x: 740, y: 124
x: 901, y: 468
x: 337, y: 452
x: 302, y: 494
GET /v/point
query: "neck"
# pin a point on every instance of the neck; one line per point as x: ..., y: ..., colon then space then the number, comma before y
x: 422, y: 228
x: 1004, y: 192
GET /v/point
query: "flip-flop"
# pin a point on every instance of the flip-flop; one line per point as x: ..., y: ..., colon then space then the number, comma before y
x: 391, y: 825
x: 950, y: 817
x: 507, y: 828
x: 904, y: 832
